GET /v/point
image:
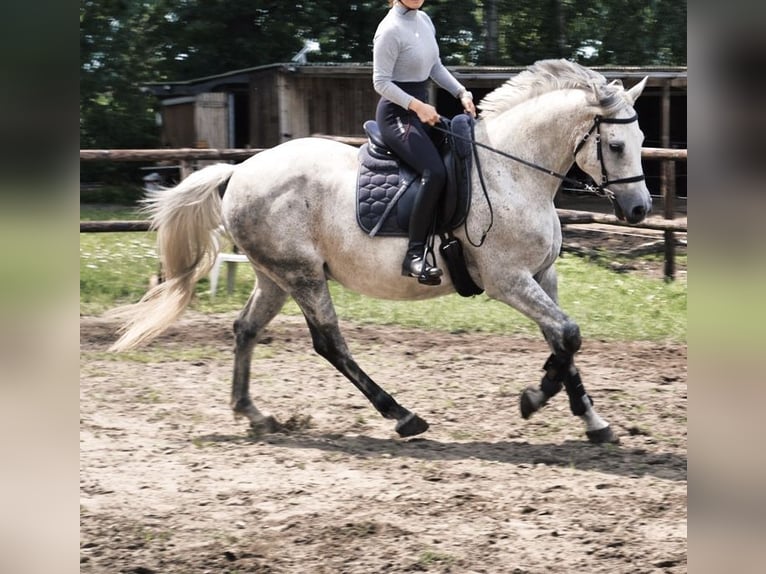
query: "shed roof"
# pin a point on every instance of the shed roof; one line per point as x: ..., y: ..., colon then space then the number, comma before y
x: 676, y: 76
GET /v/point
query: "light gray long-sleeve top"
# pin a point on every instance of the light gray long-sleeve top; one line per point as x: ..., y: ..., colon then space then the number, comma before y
x: 405, y: 50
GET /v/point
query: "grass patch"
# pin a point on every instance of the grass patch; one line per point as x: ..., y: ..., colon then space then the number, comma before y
x: 161, y: 354
x: 433, y: 557
x: 111, y: 194
x: 115, y: 269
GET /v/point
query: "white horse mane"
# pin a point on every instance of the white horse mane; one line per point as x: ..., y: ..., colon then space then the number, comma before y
x: 551, y: 75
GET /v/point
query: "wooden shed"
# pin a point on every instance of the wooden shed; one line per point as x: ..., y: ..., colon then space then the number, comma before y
x: 263, y: 106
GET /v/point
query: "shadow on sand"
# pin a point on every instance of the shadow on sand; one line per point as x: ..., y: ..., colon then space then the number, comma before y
x: 581, y: 455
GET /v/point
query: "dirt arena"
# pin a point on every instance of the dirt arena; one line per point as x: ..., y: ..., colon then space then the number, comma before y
x: 172, y: 483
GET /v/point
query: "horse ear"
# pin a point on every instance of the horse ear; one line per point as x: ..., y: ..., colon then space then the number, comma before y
x: 636, y: 90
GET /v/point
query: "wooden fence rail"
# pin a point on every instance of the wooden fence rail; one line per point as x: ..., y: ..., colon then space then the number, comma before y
x: 186, y: 156
x: 113, y: 225
x: 565, y: 216
x: 190, y: 154
x: 183, y: 154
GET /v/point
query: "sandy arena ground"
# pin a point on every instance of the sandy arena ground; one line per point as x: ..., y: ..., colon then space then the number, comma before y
x: 172, y: 483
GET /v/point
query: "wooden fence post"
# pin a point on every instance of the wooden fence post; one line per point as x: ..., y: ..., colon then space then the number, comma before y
x: 186, y: 169
x: 668, y: 187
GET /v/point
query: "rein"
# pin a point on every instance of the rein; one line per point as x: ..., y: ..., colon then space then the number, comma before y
x: 598, y: 189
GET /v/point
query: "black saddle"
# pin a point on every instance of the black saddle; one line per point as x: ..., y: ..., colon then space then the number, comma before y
x: 387, y: 186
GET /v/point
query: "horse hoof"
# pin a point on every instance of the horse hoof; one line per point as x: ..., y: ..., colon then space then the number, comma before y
x: 265, y: 425
x: 411, y: 425
x: 603, y: 436
x: 531, y: 401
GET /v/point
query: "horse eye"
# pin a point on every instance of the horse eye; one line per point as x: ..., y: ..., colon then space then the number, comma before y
x: 617, y: 147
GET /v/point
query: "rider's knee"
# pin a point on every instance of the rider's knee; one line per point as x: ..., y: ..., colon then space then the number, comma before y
x: 438, y: 177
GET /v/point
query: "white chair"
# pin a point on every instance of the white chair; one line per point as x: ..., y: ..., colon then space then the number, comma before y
x: 231, y: 260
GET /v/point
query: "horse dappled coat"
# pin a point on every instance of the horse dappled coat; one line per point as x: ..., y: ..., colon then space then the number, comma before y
x: 291, y: 209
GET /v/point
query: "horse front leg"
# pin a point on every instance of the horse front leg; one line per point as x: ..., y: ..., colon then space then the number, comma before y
x: 537, y: 298
x: 560, y: 370
x: 313, y: 297
x: 264, y: 304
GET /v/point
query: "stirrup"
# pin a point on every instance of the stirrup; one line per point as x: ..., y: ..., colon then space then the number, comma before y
x: 416, y: 266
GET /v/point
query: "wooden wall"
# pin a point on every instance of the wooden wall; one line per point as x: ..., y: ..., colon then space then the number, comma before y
x: 287, y: 105
x: 264, y: 109
x: 201, y: 123
x: 178, y: 125
x: 337, y: 107
x: 211, y: 120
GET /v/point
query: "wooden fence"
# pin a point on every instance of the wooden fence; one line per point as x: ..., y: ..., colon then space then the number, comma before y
x: 185, y: 157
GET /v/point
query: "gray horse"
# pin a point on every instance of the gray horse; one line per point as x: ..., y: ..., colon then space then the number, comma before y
x: 291, y: 209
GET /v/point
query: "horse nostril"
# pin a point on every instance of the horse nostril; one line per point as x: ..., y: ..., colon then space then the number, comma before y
x: 638, y: 212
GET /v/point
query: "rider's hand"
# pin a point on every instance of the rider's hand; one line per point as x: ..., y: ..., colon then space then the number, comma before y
x: 426, y: 112
x: 466, y: 98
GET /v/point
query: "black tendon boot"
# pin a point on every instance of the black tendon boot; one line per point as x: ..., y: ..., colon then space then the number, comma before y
x: 415, y: 263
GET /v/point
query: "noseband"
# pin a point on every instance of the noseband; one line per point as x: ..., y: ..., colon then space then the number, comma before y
x: 601, y: 188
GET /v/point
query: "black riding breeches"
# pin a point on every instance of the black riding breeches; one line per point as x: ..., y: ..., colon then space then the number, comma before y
x: 410, y: 139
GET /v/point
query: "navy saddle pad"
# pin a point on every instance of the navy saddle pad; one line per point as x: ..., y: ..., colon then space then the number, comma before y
x: 387, y: 187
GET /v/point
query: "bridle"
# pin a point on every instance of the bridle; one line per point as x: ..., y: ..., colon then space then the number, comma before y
x: 600, y: 189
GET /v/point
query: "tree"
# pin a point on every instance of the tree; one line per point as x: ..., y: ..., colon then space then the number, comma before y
x: 207, y: 37
x: 596, y: 32
x: 490, y: 32
x: 459, y: 30
x: 345, y: 31
x: 114, y: 61
x: 127, y: 43
x: 117, y: 56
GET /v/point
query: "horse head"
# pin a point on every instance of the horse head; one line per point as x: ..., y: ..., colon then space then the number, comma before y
x: 610, y: 152
x: 569, y: 107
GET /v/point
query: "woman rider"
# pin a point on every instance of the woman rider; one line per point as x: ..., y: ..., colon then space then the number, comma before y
x: 405, y: 56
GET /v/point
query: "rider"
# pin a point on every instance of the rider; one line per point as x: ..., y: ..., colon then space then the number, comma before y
x: 405, y: 55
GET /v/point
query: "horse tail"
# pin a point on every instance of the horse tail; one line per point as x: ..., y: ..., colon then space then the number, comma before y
x: 187, y: 219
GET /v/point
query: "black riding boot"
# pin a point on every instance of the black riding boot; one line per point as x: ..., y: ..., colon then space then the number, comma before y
x: 423, y: 212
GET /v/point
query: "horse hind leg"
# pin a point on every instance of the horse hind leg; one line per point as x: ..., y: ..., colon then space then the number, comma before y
x: 264, y: 304
x: 313, y: 297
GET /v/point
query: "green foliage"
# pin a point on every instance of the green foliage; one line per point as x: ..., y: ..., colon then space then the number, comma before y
x: 124, y: 45
x: 115, y: 269
x: 430, y: 557
x: 110, y: 194
x: 206, y: 37
x: 117, y: 55
x: 601, y: 32
x: 459, y: 30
